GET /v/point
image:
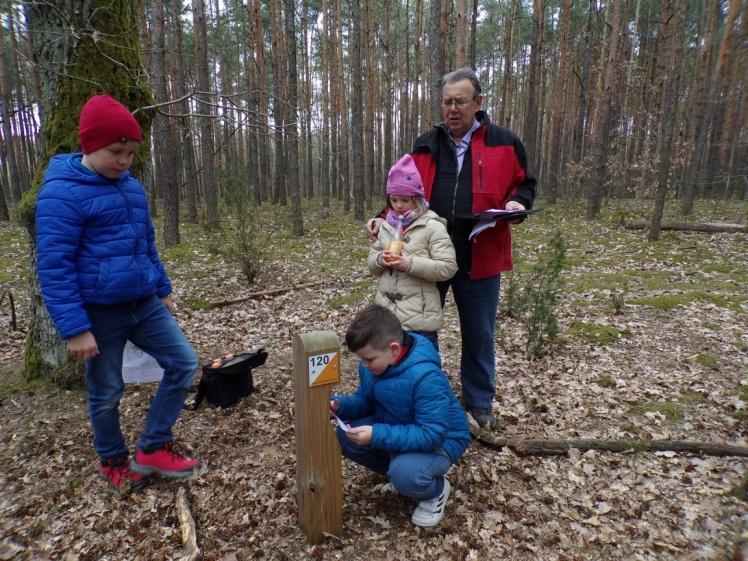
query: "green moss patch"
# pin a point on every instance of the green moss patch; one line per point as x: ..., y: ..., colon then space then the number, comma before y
x: 596, y: 334
x: 198, y: 304
x: 363, y: 290
x: 670, y: 301
x: 707, y: 359
x: 606, y: 381
x: 672, y: 411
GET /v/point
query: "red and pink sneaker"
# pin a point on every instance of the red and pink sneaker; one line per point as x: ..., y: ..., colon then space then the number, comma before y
x: 118, y: 474
x: 163, y: 461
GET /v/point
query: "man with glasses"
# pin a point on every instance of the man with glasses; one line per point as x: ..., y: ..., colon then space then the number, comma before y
x: 469, y: 165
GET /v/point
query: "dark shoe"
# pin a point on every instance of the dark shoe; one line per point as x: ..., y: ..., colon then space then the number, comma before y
x: 164, y: 461
x: 484, y: 418
x: 118, y: 474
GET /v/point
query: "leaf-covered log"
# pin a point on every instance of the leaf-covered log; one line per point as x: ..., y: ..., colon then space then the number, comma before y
x: 711, y: 227
x: 553, y: 447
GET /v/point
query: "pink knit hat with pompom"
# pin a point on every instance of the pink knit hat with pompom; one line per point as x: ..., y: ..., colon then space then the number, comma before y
x: 404, y: 179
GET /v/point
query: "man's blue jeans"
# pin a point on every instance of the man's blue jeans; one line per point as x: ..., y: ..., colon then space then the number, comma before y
x: 419, y: 475
x: 150, y: 326
x: 477, y: 303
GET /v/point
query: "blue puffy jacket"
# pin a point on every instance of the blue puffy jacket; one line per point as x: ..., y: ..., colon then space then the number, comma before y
x: 414, y: 407
x: 95, y: 243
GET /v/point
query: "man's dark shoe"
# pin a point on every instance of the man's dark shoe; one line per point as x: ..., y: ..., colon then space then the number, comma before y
x: 484, y: 418
x: 118, y: 474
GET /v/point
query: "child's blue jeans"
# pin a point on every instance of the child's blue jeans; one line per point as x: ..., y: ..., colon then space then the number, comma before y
x: 150, y: 326
x: 419, y: 475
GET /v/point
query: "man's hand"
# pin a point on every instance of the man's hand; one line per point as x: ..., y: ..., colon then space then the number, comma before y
x: 334, y: 405
x: 514, y: 205
x: 360, y: 435
x: 83, y: 345
x: 169, y: 303
x: 372, y: 227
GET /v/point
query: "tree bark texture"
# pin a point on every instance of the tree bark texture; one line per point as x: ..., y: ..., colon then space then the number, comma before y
x: 73, y: 69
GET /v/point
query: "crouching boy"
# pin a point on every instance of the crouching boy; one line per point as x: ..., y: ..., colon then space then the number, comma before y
x: 406, y: 422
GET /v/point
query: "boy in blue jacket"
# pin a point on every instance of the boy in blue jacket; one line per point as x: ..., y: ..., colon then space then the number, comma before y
x: 406, y: 422
x: 103, y: 283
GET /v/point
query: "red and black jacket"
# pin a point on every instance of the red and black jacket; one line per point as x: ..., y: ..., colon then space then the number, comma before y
x: 494, y: 171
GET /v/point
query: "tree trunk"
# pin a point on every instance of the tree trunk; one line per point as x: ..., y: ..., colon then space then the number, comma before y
x: 439, y: 50
x: 403, y: 61
x: 606, y: 99
x: 164, y: 142
x: 722, y: 78
x: 461, y: 41
x: 473, y: 35
x: 205, y: 107
x: 9, y: 144
x: 387, y: 97
x: 326, y: 63
x: 555, y: 165
x: 672, y: 30
x: 189, y: 173
x: 415, y: 113
x: 294, y: 187
x: 343, y: 171
x: 76, y: 68
x: 263, y: 146
x: 357, y: 111
x: 530, y: 136
x: 507, y: 52
x: 278, y: 62
x: 308, y: 185
x: 703, y: 110
x: 584, y: 89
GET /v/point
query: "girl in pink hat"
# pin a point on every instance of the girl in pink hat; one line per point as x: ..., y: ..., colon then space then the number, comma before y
x: 411, y: 254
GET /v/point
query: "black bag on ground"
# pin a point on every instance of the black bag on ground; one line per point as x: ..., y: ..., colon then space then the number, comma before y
x: 226, y: 384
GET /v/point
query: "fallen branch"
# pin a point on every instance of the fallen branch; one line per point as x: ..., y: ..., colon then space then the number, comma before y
x: 712, y: 227
x: 549, y: 447
x: 272, y: 292
x: 187, y: 525
x: 11, y: 302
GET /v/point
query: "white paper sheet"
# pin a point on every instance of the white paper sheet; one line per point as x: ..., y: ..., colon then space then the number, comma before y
x: 139, y: 367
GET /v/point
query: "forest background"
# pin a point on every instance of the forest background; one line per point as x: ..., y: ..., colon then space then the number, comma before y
x: 272, y: 125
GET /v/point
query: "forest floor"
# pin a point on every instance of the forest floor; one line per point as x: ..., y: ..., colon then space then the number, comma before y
x: 670, y: 363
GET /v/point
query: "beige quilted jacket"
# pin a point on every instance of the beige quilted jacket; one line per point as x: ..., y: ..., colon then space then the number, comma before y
x: 412, y: 295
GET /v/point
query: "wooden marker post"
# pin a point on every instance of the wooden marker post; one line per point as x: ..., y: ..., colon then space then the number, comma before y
x: 319, y: 496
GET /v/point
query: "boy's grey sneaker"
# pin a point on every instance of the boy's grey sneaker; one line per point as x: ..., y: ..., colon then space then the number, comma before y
x: 429, y: 513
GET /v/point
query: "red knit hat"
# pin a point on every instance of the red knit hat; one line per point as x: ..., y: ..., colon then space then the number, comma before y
x: 104, y: 121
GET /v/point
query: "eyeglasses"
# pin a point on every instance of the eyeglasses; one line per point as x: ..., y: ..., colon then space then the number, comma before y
x: 458, y: 103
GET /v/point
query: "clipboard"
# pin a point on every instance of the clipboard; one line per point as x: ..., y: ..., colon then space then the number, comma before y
x: 493, y: 214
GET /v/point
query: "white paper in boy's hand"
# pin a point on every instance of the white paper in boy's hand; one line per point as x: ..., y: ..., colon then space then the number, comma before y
x: 341, y: 422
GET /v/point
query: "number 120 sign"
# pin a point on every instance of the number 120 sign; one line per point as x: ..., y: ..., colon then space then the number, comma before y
x: 324, y: 369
